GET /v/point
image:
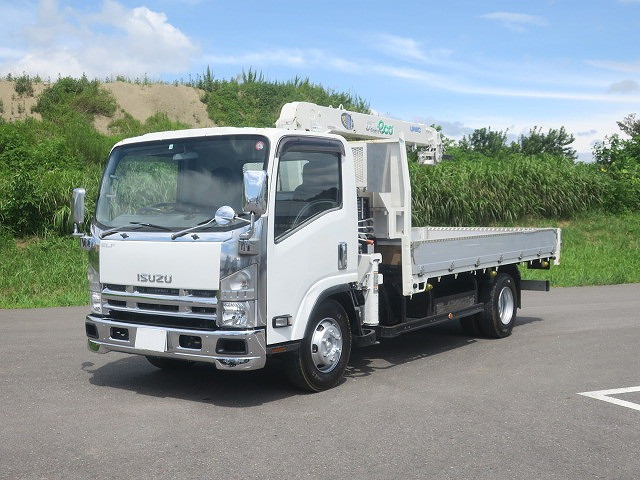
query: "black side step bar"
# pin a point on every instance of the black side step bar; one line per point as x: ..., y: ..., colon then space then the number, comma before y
x: 417, y: 323
x: 536, y: 285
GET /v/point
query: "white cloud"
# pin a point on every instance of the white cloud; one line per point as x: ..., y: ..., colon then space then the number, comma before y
x: 315, y: 58
x: 625, y: 86
x: 409, y: 49
x: 400, y: 46
x: 624, y: 67
x: 110, y: 41
x: 516, y: 21
x: 292, y: 57
x: 587, y: 133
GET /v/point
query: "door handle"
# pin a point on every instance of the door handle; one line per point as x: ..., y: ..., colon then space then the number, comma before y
x: 342, y: 255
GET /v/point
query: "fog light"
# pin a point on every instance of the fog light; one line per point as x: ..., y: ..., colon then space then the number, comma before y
x: 96, y: 302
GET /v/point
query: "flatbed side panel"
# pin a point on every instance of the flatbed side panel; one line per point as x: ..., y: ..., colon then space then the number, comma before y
x: 445, y: 251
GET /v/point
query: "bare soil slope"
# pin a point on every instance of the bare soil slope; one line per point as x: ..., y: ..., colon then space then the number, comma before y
x: 179, y: 102
x: 15, y: 107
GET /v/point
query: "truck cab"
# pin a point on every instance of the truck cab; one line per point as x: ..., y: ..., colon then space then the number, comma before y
x: 178, y: 262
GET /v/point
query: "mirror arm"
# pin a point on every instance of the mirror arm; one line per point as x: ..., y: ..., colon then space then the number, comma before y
x: 249, y: 233
x: 76, y: 233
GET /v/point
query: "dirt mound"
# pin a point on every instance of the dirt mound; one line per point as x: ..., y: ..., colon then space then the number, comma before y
x: 17, y: 107
x: 179, y: 102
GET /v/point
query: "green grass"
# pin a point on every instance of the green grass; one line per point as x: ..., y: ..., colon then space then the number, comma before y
x: 42, y: 272
x: 51, y: 271
x: 596, y: 249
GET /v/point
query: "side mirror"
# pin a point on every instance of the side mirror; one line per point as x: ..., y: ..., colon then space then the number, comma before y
x: 254, y: 192
x: 224, y: 215
x: 77, y: 209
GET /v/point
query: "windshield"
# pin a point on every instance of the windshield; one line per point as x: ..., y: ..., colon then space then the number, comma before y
x: 179, y: 183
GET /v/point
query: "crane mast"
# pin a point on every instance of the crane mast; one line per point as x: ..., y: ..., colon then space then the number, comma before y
x: 316, y: 118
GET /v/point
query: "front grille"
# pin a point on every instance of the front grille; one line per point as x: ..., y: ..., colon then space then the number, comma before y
x: 158, y: 291
x: 116, y: 288
x: 203, y: 310
x: 159, y: 307
x: 162, y: 307
x: 163, y: 320
x: 203, y: 293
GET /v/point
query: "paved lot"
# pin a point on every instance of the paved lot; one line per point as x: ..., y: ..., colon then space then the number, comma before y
x: 433, y: 404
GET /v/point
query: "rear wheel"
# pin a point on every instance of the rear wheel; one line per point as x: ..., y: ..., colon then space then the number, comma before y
x: 169, y: 363
x: 500, y: 308
x: 324, y: 353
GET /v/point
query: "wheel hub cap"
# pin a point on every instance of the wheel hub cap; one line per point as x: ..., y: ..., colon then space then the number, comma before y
x: 326, y: 345
x: 505, y: 305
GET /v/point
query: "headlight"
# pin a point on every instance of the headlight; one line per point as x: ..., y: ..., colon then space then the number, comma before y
x: 95, y: 289
x: 237, y: 299
x: 237, y: 315
x: 240, y: 286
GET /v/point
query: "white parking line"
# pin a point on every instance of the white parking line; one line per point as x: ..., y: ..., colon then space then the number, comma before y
x: 604, y: 395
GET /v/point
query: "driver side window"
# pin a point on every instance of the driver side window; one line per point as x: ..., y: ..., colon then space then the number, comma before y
x: 308, y: 184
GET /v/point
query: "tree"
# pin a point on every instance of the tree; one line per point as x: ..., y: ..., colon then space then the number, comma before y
x: 630, y: 125
x: 485, y: 141
x: 554, y: 142
x: 617, y: 152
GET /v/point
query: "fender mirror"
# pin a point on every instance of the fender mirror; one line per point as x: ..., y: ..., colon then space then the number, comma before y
x: 77, y: 209
x: 254, y: 192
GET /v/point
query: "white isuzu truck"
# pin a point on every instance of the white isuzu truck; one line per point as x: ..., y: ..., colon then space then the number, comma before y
x: 235, y: 245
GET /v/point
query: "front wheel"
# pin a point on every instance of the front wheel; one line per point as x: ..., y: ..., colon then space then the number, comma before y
x: 324, y: 353
x: 500, y: 307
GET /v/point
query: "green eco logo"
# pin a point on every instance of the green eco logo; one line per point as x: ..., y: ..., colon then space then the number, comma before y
x: 385, y: 129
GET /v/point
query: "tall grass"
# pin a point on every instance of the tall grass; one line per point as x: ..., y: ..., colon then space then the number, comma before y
x: 487, y: 191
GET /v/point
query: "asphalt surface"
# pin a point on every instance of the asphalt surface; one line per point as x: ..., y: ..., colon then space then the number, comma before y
x: 431, y: 404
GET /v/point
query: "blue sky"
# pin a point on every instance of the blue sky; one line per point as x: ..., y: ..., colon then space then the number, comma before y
x: 461, y: 64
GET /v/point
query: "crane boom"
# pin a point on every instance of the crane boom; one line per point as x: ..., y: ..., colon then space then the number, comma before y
x: 316, y: 118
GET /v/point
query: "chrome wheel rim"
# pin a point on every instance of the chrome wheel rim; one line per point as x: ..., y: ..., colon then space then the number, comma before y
x: 326, y: 345
x: 505, y: 305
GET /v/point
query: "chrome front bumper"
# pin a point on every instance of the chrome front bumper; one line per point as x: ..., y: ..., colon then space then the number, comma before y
x: 254, y: 356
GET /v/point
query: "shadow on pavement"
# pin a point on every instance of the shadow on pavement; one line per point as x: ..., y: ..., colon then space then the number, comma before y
x: 198, y: 383
x: 204, y: 383
x: 520, y: 321
x: 414, y: 346
x: 407, y: 348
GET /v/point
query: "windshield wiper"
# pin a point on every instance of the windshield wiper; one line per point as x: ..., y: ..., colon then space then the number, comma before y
x: 136, y: 226
x: 181, y: 233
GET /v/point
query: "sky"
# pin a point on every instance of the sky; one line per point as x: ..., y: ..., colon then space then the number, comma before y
x: 508, y: 65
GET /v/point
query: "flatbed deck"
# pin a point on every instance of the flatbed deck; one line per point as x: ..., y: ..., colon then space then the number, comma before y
x: 439, y: 251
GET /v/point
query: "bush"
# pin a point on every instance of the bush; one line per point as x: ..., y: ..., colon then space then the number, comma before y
x: 23, y: 86
x: 127, y: 126
x: 80, y: 95
x: 38, y: 170
x: 251, y: 101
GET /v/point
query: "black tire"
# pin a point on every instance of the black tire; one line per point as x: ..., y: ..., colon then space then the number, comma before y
x: 313, y: 368
x: 471, y: 325
x: 500, y: 307
x: 169, y: 363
